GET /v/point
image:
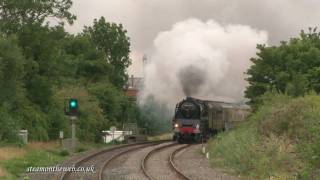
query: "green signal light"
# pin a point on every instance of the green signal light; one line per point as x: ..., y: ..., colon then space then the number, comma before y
x: 73, y: 104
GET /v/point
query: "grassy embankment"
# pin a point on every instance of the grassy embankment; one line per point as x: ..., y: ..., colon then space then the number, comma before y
x: 279, y: 141
x: 14, y: 160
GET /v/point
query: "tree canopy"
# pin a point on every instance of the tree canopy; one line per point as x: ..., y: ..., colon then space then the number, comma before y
x: 293, y: 67
x: 42, y: 65
x: 14, y: 14
x: 113, y: 41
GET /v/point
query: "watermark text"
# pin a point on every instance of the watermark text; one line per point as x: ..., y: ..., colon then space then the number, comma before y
x: 87, y: 169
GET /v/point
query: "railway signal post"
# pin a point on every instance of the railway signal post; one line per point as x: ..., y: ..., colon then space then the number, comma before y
x: 73, y: 133
x: 72, y: 112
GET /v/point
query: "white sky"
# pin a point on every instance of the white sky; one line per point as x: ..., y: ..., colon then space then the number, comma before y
x: 144, y: 19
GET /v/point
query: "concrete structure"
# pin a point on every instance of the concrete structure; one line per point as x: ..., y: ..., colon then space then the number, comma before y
x: 108, y: 136
x: 23, y: 134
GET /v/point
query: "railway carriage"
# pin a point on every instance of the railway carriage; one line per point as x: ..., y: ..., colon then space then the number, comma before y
x: 197, y: 119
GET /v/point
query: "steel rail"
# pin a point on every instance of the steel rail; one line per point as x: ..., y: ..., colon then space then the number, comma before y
x: 66, y: 174
x: 106, y: 163
x: 174, y: 167
x: 148, y: 155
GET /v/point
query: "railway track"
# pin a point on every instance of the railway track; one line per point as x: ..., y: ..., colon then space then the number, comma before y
x: 101, y: 159
x: 170, y: 160
x: 172, y: 164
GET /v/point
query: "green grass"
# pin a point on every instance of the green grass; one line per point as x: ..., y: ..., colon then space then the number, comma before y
x: 85, y: 146
x: 9, y: 176
x: 165, y: 136
x: 18, y: 166
x: 279, y: 141
x: 39, y: 154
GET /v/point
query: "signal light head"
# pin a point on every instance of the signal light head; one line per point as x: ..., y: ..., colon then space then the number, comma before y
x: 72, y: 109
x: 73, y: 104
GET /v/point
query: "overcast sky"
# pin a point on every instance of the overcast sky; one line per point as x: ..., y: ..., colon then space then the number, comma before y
x: 144, y: 19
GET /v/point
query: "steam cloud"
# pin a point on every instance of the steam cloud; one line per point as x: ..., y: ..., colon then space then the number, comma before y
x: 191, y: 79
x: 202, y: 59
x: 144, y: 19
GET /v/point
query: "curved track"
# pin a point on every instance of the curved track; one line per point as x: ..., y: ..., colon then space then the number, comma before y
x: 106, y: 163
x: 173, y: 167
x: 101, y: 159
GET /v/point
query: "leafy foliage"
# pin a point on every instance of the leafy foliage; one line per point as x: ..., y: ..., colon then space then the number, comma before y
x: 11, y: 71
x: 14, y: 14
x: 111, y: 100
x: 41, y: 66
x: 280, y: 140
x: 113, y: 41
x: 91, y: 117
x: 8, y: 128
x: 292, y: 67
x: 11, y: 90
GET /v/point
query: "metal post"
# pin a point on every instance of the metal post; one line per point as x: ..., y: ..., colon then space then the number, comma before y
x: 113, y: 137
x: 61, y: 138
x: 123, y: 116
x: 73, y: 133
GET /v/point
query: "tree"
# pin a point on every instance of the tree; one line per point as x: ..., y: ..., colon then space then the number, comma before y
x: 111, y: 101
x: 11, y: 89
x: 16, y: 13
x: 42, y: 65
x: 11, y: 72
x: 9, y: 126
x: 89, y: 61
x: 113, y: 41
x: 292, y: 67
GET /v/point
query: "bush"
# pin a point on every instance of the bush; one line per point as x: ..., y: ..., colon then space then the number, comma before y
x: 34, y: 121
x: 91, y: 119
x: 280, y: 140
x: 64, y: 153
x: 234, y: 148
x: 115, y: 141
x: 8, y: 127
x: 81, y: 147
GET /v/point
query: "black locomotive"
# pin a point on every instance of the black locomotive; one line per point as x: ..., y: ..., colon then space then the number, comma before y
x: 197, y: 119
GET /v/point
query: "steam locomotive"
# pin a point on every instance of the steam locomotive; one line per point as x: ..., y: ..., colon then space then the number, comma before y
x: 197, y: 120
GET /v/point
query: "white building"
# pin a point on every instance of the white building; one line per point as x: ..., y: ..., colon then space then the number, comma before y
x: 108, y: 136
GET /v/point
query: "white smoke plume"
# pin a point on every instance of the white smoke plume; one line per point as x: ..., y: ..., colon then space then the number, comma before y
x: 201, y: 59
x: 144, y: 19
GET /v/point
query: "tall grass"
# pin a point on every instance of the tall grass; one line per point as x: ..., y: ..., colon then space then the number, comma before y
x: 281, y: 140
x: 14, y: 160
x: 35, y: 158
